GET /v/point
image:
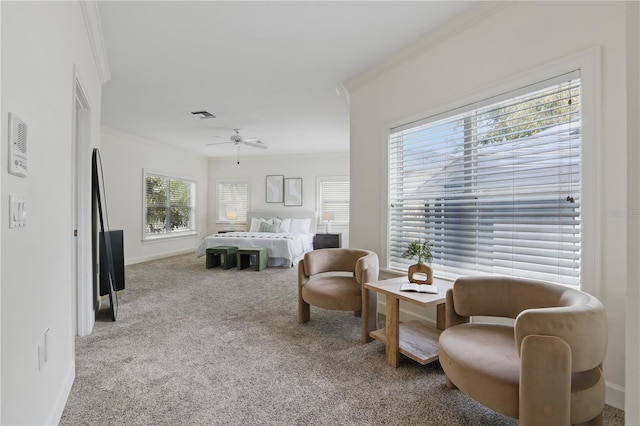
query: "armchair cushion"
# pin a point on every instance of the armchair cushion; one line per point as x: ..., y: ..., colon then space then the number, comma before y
x: 485, y: 364
x: 333, y: 292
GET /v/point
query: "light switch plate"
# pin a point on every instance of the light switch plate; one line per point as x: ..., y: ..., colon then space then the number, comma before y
x: 17, y: 212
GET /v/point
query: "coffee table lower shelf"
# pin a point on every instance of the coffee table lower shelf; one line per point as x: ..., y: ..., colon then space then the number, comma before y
x: 418, y: 341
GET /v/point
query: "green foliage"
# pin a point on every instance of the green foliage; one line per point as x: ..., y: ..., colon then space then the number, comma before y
x: 420, y: 250
x: 168, y: 202
x: 513, y: 122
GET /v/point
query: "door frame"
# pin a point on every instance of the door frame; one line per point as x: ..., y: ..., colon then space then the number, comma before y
x: 85, y: 294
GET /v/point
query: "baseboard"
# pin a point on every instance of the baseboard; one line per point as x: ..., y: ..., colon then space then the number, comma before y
x: 132, y: 261
x: 615, y: 396
x: 63, y: 396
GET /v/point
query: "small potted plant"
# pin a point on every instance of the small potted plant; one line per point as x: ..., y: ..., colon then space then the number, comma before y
x: 421, y: 250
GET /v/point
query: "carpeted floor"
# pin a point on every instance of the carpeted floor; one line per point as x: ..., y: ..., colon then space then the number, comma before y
x: 193, y: 346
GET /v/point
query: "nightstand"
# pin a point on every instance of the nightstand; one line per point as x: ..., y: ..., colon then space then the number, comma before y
x: 327, y: 241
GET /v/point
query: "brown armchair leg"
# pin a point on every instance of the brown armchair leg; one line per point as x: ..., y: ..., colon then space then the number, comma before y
x: 304, y: 311
x: 450, y: 384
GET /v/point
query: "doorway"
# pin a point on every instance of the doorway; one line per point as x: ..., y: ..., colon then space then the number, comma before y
x: 84, y: 294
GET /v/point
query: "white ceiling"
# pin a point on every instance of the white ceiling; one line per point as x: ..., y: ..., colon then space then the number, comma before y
x: 274, y: 70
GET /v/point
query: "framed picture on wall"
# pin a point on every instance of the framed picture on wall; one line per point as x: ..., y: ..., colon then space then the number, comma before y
x: 275, y: 189
x: 293, y: 192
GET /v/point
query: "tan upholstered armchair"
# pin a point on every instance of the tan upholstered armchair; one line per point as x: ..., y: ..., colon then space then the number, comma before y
x: 546, y: 369
x: 344, y: 293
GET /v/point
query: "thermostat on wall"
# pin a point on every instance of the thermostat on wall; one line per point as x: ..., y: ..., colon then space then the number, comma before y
x: 17, y: 146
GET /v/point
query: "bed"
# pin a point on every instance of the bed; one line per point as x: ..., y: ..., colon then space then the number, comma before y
x: 286, y: 235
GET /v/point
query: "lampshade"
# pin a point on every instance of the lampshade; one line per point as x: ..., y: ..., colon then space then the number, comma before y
x: 232, y: 215
x: 328, y: 216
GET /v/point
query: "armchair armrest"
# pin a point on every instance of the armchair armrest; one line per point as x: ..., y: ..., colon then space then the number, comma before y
x: 451, y: 318
x: 582, y: 327
x: 545, y: 381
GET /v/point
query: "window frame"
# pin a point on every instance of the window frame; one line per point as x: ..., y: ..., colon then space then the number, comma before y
x: 193, y: 182
x: 224, y: 221
x: 588, y: 62
x: 320, y: 201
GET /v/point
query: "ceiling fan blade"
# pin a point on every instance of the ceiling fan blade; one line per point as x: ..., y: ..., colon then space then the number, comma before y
x: 255, y: 144
x: 219, y: 143
x: 251, y: 140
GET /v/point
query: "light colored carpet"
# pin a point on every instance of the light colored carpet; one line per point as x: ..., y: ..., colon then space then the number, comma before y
x: 196, y: 346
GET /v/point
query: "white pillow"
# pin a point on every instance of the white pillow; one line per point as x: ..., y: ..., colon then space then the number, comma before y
x: 300, y: 226
x: 255, y: 225
x: 285, y: 226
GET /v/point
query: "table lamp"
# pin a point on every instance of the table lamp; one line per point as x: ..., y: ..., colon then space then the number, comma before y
x: 328, y: 216
x: 232, y: 217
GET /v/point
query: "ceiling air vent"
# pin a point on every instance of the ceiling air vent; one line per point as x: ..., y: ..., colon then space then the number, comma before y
x: 203, y: 114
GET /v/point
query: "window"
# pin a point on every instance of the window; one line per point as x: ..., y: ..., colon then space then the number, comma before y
x: 495, y: 188
x: 169, y: 205
x: 233, y: 199
x: 333, y: 199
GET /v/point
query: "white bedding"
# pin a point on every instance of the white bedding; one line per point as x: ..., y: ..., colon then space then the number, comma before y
x: 284, y: 249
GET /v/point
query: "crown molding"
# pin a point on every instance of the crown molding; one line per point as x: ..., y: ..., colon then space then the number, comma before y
x: 94, y: 30
x: 447, y: 30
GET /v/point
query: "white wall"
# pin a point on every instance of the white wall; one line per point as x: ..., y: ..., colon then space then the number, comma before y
x: 632, y: 412
x: 480, y: 53
x: 41, y: 43
x: 256, y: 168
x: 124, y: 157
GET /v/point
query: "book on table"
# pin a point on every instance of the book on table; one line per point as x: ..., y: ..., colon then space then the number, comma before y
x: 420, y: 288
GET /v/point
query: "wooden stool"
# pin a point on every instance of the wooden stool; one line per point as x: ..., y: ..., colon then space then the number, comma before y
x: 244, y: 258
x: 224, y: 256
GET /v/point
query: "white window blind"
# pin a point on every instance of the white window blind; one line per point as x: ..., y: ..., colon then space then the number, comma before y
x: 333, y: 198
x: 495, y: 189
x: 169, y: 205
x: 233, y: 197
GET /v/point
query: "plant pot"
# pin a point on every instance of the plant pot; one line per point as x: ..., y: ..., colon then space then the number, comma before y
x: 420, y: 268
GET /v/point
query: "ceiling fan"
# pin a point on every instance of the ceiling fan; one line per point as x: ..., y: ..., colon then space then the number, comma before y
x: 238, y: 140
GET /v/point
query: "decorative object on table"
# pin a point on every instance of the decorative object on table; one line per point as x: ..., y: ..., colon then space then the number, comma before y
x: 275, y: 188
x: 419, y: 288
x: 293, y: 191
x: 328, y: 216
x: 421, y: 250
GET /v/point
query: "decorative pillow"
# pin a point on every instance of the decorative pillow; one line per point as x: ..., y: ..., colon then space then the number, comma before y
x: 300, y: 226
x: 271, y: 225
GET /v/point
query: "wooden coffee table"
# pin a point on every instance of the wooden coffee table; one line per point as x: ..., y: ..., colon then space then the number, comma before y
x: 414, y: 339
